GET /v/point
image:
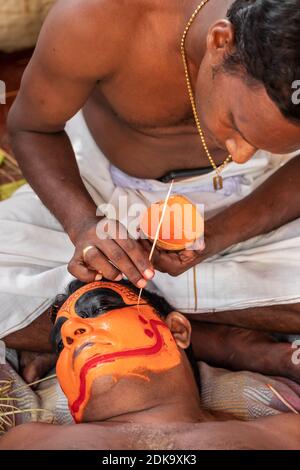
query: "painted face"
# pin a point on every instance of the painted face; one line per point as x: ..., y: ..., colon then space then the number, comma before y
x: 120, y: 340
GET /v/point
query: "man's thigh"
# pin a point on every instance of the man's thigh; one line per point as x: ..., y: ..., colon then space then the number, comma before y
x: 30, y: 231
x: 25, y: 206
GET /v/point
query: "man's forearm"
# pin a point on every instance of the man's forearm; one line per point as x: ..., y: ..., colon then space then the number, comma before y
x: 273, y: 204
x: 34, y: 338
x: 283, y: 319
x: 48, y: 163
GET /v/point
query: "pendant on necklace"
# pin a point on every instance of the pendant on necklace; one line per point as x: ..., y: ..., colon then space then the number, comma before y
x: 218, y: 182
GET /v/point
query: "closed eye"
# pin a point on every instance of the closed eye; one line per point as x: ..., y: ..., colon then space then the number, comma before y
x: 105, y: 309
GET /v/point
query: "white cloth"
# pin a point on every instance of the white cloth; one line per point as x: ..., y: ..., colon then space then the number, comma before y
x: 34, y: 250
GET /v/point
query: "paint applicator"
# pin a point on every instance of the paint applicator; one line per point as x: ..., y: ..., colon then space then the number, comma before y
x: 164, y: 208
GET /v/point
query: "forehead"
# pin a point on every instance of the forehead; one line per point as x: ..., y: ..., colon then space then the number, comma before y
x: 259, y: 118
x: 128, y: 296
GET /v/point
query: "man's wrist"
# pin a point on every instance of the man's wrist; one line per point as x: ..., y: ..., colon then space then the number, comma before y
x: 218, y: 237
x: 80, y: 224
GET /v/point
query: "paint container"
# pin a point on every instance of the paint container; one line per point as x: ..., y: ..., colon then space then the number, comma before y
x: 182, y: 225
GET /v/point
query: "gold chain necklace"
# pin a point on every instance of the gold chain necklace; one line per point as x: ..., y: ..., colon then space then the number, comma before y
x: 218, y: 180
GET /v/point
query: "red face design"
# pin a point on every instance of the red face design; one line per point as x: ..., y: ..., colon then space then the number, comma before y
x: 124, y: 342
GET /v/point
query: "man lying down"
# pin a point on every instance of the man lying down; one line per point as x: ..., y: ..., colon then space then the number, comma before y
x: 127, y: 371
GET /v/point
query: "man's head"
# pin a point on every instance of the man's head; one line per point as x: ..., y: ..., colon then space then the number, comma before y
x: 246, y: 86
x: 116, y: 357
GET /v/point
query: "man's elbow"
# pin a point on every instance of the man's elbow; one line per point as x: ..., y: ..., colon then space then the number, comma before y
x: 13, y: 122
x: 20, y: 122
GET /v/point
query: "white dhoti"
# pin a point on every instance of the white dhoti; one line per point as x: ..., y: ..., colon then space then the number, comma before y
x: 34, y: 250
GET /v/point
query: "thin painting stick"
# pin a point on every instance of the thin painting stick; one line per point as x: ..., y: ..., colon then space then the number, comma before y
x: 283, y: 400
x: 157, y: 232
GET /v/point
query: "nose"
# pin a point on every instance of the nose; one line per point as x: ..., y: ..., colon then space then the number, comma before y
x: 73, y: 329
x: 240, y: 150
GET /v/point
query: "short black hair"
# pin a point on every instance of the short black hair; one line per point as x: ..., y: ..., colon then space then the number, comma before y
x: 94, y: 305
x: 267, y: 48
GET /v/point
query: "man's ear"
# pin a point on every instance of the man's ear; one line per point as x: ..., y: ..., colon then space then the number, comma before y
x: 220, y: 41
x: 180, y: 328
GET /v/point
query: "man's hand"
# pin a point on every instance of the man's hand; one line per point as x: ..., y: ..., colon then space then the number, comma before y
x: 176, y: 263
x: 113, y: 253
x: 273, y: 204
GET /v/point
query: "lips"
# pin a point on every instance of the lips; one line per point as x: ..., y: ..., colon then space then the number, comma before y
x: 81, y: 348
x: 111, y: 357
x: 87, y: 345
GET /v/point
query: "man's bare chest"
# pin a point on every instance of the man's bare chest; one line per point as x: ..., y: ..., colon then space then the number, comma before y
x: 150, y: 89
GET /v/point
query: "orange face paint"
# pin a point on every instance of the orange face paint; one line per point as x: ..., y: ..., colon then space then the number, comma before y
x: 123, y: 342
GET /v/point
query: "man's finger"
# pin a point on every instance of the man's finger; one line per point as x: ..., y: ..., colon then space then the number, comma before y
x: 194, y: 252
x: 187, y: 256
x: 198, y: 246
x: 168, y: 263
x: 120, y: 259
x: 81, y: 272
x: 146, y: 245
x: 97, y: 261
x: 138, y: 256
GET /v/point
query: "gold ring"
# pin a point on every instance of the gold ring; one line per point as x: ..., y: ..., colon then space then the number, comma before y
x: 85, y: 251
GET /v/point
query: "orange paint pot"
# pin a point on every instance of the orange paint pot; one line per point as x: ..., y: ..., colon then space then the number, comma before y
x: 182, y: 224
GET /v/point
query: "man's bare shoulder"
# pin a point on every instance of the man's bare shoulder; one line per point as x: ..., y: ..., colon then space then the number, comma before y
x: 19, y: 437
x: 92, y: 9
x: 274, y: 433
x: 283, y: 429
x: 102, y: 5
x: 280, y: 432
x: 94, y: 32
x: 112, y: 15
x: 42, y: 436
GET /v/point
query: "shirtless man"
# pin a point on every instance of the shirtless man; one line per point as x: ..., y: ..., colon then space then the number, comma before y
x: 120, y: 62
x: 125, y: 371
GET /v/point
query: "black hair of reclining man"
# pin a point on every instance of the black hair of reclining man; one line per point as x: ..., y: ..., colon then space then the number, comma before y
x: 141, y: 408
